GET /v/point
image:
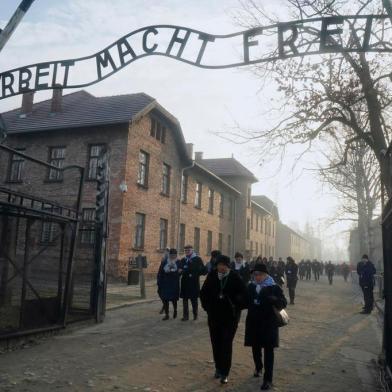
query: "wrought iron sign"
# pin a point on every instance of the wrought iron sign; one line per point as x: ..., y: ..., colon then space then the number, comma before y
x: 261, y: 44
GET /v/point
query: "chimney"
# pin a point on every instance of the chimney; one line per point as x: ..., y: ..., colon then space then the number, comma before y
x: 27, y: 103
x: 198, y: 156
x: 57, y: 100
x: 189, y: 150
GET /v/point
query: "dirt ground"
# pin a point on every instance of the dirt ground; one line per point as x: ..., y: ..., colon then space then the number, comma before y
x: 328, y: 346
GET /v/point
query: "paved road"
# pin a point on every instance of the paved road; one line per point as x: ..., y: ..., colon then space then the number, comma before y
x: 328, y: 346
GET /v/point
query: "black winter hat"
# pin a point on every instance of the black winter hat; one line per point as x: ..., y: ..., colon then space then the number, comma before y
x: 222, y: 259
x: 260, y: 268
x: 172, y: 251
x: 215, y: 253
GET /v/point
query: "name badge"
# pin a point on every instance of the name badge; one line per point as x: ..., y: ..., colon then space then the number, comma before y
x: 256, y: 302
x: 221, y: 296
x: 190, y: 275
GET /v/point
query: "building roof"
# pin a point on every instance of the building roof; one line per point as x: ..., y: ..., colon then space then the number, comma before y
x: 267, y: 204
x: 228, y: 167
x: 216, y: 178
x: 261, y: 207
x: 82, y: 109
x: 292, y: 231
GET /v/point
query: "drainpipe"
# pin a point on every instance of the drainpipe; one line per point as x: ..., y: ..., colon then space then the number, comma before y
x: 232, y: 250
x: 180, y: 202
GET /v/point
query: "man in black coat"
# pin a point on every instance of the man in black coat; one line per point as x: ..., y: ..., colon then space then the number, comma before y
x: 241, y: 267
x: 261, y: 330
x: 191, y: 268
x: 366, y: 271
x: 291, y: 277
x: 222, y: 296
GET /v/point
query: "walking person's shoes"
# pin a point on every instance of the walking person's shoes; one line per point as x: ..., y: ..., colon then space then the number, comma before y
x: 257, y: 373
x: 266, y: 386
x: 166, y: 317
x: 162, y: 310
x: 195, y: 317
x: 175, y: 314
x: 217, y: 374
x: 185, y: 318
x: 224, y: 380
x: 365, y: 312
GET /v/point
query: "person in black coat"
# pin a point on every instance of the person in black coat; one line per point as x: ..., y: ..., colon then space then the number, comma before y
x: 330, y: 270
x: 169, y: 282
x: 222, y: 296
x: 191, y: 268
x: 366, y: 271
x: 291, y: 278
x: 241, y: 267
x: 261, y: 331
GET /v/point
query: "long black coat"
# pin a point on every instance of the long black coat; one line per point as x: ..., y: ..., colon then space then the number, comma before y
x: 168, y: 283
x: 260, y: 325
x: 228, y: 308
x: 192, y: 269
x: 291, y: 271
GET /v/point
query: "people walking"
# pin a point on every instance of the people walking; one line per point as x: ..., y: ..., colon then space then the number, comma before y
x: 308, y: 270
x: 316, y: 270
x: 301, y: 269
x: 169, y: 282
x: 241, y: 267
x: 222, y: 296
x: 291, y: 277
x: 191, y: 268
x: 330, y: 271
x: 366, y: 271
x: 276, y: 275
x: 261, y: 331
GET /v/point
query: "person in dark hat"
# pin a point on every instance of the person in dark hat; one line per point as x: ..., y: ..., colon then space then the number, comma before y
x: 241, y: 267
x: 191, y: 268
x: 169, y: 282
x: 261, y: 331
x: 222, y: 296
x: 163, y: 260
x: 211, y: 265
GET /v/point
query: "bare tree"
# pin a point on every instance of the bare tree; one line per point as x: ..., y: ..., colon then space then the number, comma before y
x: 358, y: 185
x: 342, y: 97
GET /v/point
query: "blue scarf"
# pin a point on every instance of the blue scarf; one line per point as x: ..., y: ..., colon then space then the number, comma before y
x: 269, y: 281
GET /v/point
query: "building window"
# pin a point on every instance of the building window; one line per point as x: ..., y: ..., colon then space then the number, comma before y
x: 184, y: 188
x: 210, y: 201
x: 182, y: 237
x: 163, y: 229
x: 48, y: 233
x: 251, y: 248
x: 87, y: 235
x: 221, y: 205
x: 158, y: 130
x: 231, y: 209
x: 56, y: 158
x: 95, y: 151
x: 257, y: 222
x: 249, y: 196
x: 142, y: 175
x: 209, y: 242
x: 165, y: 188
x: 16, y: 168
x: 139, y: 231
x: 247, y: 228
x: 257, y: 248
x: 229, y: 244
x: 220, y: 242
x: 261, y: 225
x: 198, y: 195
x: 196, y: 240
x: 251, y: 220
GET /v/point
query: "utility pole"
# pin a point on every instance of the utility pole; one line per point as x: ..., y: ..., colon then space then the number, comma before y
x: 14, y: 21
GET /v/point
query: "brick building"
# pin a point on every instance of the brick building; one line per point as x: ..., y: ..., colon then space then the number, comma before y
x: 171, y: 198
x: 291, y: 243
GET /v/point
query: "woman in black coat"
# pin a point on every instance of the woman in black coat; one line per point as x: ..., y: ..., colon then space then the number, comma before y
x: 261, y: 331
x: 169, y: 282
x: 222, y: 296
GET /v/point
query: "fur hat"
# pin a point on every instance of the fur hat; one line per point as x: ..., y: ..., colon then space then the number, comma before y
x: 222, y: 259
x: 260, y: 268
